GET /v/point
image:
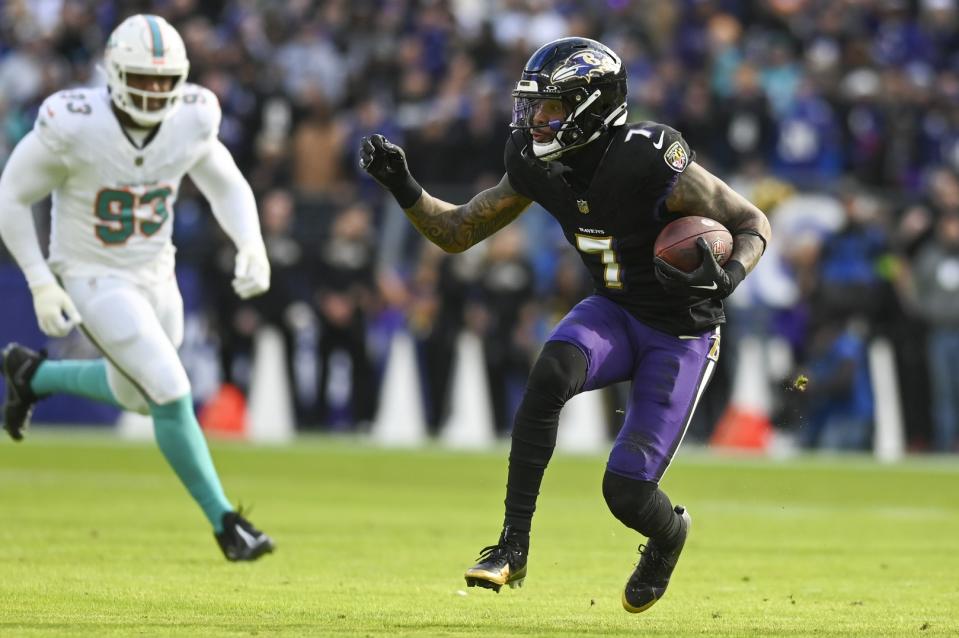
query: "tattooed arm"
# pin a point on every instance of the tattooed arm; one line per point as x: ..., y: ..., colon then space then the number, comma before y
x: 699, y: 192
x: 452, y: 228
x: 456, y: 228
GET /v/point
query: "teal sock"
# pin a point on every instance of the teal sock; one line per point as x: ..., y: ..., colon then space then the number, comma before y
x: 180, y: 439
x: 85, y: 378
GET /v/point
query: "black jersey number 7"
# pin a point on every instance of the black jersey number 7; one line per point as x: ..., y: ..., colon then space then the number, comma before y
x: 603, y: 246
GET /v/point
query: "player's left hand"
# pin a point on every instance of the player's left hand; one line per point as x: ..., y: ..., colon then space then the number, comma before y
x: 709, y: 280
x: 251, y: 273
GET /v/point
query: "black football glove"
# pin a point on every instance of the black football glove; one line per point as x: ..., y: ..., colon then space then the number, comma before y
x: 386, y: 163
x: 709, y: 280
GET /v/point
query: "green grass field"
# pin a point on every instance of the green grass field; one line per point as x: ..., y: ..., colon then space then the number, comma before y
x: 98, y: 539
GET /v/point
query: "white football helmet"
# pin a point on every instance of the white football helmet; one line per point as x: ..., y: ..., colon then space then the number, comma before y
x: 148, y: 45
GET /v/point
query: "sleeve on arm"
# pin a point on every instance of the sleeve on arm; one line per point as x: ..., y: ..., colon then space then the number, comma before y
x: 670, y: 152
x: 207, y: 108
x: 230, y: 196
x: 31, y: 173
x: 666, y: 156
x: 50, y: 125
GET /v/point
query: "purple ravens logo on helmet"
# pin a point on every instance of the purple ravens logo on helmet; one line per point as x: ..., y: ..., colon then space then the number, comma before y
x: 585, y: 64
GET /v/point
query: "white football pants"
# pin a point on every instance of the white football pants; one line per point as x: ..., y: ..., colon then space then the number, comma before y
x: 138, y: 329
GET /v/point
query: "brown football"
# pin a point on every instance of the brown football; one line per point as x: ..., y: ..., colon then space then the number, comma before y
x: 676, y: 243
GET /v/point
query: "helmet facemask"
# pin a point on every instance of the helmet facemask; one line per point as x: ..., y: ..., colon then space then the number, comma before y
x: 588, y: 113
x: 136, y: 102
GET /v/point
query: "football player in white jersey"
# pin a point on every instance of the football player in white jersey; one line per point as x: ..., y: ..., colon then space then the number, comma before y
x: 113, y: 159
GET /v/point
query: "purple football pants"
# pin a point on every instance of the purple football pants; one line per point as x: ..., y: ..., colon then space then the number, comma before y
x: 668, y: 374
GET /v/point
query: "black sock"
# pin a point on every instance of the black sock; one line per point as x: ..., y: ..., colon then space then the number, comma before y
x: 642, y: 506
x: 558, y: 374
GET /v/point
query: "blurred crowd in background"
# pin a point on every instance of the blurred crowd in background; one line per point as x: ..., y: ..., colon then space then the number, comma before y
x: 839, y: 118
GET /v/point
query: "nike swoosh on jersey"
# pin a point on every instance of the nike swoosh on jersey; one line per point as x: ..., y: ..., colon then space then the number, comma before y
x: 712, y: 286
x: 658, y: 145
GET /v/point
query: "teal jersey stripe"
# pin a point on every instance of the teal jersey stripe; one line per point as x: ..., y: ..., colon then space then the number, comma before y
x: 157, y: 38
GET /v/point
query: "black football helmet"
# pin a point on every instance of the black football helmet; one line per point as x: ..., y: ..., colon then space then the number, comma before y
x: 589, y: 79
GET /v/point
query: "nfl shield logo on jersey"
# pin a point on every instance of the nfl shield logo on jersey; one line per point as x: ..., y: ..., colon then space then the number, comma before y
x: 583, y: 206
x: 676, y: 157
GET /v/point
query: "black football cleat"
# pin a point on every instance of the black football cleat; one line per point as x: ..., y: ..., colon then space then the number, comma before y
x: 498, y: 565
x: 19, y: 365
x: 240, y: 541
x: 651, y: 576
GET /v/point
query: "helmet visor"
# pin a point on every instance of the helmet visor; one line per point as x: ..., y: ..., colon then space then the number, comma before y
x: 543, y: 117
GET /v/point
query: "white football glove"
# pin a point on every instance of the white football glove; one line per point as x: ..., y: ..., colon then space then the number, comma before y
x: 56, y: 314
x: 251, y: 274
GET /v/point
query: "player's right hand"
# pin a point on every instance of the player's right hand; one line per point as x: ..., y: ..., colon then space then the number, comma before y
x: 56, y: 314
x: 384, y: 161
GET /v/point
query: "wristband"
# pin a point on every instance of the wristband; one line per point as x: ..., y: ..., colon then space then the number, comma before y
x: 736, y: 272
x: 407, y: 193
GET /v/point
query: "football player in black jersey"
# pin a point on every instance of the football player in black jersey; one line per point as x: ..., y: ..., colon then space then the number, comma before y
x: 612, y: 186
